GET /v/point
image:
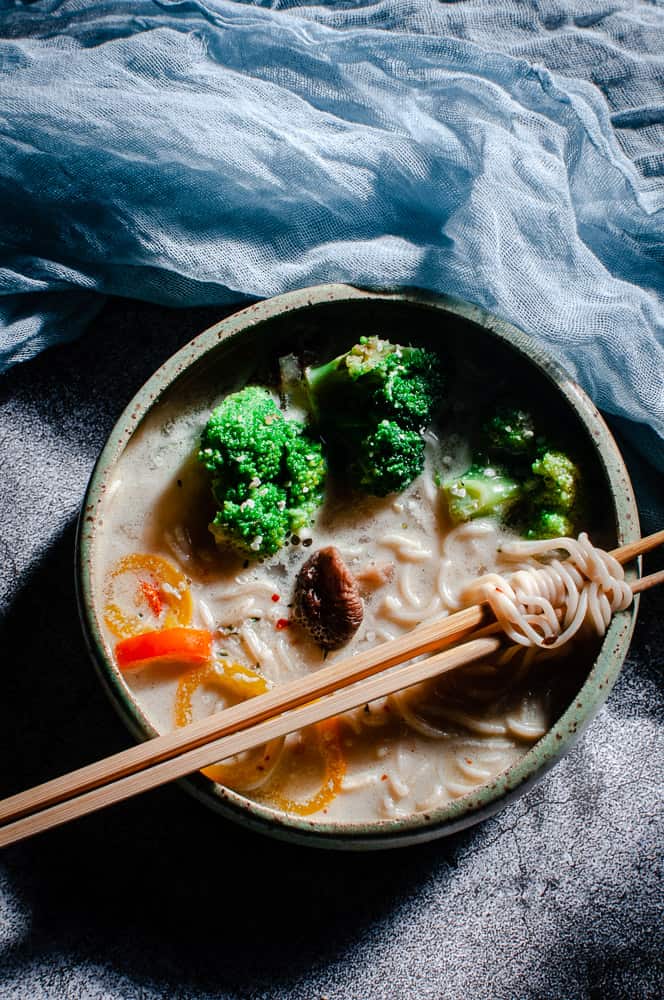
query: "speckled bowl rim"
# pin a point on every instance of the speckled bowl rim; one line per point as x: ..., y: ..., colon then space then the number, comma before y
x: 485, y: 800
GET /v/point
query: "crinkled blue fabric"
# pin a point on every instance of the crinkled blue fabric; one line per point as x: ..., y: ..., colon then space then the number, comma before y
x: 193, y: 153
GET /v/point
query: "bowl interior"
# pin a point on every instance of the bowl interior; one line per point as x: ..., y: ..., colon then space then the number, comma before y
x: 487, y: 359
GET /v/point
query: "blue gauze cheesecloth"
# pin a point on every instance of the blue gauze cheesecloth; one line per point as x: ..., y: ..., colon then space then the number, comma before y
x: 193, y: 153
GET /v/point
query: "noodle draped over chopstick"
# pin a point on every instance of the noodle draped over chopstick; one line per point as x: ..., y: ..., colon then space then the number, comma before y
x: 545, y: 605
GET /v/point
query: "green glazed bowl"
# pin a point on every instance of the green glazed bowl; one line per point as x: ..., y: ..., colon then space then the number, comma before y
x: 402, y: 313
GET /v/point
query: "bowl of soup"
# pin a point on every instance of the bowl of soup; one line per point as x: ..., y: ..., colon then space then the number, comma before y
x: 424, y: 762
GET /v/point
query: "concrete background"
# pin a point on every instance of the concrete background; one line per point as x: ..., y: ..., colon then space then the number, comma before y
x: 559, y: 896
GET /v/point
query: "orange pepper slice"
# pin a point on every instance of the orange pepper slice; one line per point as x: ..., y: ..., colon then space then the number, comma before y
x: 179, y: 645
x: 327, y: 734
x: 160, y: 597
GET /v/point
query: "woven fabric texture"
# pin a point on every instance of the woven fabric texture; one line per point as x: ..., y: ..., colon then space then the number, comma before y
x: 194, y: 153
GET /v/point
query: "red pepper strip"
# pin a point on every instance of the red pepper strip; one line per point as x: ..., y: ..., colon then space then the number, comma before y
x: 184, y: 645
x: 150, y: 592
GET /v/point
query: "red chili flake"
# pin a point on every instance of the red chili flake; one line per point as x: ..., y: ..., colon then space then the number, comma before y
x: 152, y: 595
x: 282, y: 623
x: 383, y: 777
x: 275, y: 598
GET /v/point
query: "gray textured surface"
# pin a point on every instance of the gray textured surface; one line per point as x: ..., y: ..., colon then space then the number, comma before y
x: 558, y: 896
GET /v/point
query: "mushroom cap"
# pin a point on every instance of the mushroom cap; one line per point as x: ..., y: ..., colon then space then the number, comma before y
x: 327, y: 602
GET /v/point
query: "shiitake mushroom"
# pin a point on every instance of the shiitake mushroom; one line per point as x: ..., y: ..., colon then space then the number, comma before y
x: 327, y: 601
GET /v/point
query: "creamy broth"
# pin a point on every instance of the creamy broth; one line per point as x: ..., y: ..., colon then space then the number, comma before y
x: 406, y: 754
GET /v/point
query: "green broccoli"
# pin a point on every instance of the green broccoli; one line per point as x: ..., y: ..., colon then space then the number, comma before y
x: 481, y: 492
x: 394, y: 382
x: 554, y: 496
x: 557, y: 483
x: 244, y: 437
x: 510, y: 431
x: 267, y: 473
x: 371, y: 405
x: 256, y: 522
x: 538, y: 489
x: 549, y: 524
x: 305, y: 469
x: 388, y: 459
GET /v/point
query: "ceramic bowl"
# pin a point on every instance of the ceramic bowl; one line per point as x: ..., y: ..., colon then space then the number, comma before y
x: 316, y: 313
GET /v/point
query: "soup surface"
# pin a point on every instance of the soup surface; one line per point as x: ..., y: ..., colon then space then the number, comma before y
x: 157, y: 564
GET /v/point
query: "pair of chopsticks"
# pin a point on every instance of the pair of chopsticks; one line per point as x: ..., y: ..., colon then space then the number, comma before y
x: 326, y: 693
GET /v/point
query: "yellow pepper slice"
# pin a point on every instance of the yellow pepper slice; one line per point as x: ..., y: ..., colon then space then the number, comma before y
x: 241, y: 683
x: 327, y: 736
x: 155, y: 591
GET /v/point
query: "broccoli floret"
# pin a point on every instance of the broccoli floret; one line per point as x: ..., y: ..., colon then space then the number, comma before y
x: 244, y: 437
x: 410, y: 386
x: 538, y: 489
x: 387, y: 460
x: 510, y: 431
x: 305, y: 469
x: 393, y: 382
x: 253, y: 521
x: 554, y: 496
x: 267, y: 473
x: 481, y: 492
x: 543, y: 504
x: 371, y: 404
x: 557, y: 483
x: 550, y: 524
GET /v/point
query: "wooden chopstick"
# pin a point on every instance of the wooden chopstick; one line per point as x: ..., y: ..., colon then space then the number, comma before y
x: 424, y: 639
x: 625, y: 553
x: 198, y: 745
x: 646, y: 582
x: 202, y: 756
